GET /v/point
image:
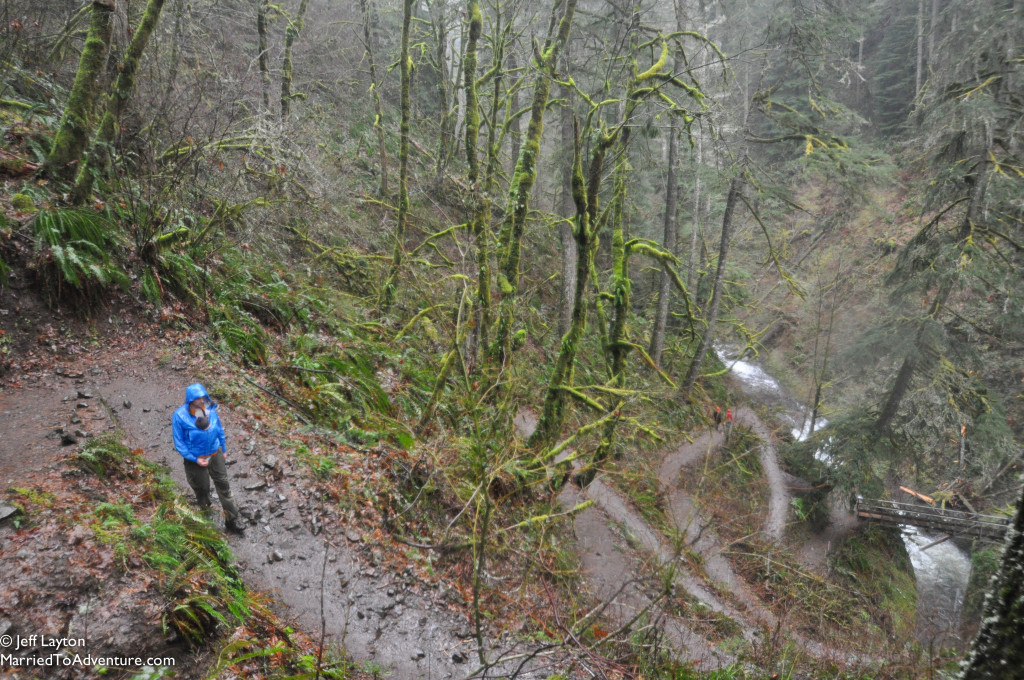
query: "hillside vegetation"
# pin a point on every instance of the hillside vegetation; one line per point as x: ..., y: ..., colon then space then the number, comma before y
x: 462, y: 269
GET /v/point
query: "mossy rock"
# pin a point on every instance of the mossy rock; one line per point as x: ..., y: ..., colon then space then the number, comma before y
x: 23, y: 203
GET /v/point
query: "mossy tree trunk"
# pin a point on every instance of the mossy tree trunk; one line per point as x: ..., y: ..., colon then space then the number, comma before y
x: 670, y: 227
x: 481, y: 202
x: 523, y: 178
x: 439, y: 19
x: 387, y: 293
x: 997, y: 652
x: 97, y: 160
x: 618, y: 346
x: 585, y: 198
x: 735, y: 187
x: 378, y: 111
x: 263, y: 46
x: 75, y: 125
x: 291, y: 33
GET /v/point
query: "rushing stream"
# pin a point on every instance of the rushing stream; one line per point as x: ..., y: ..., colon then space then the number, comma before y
x: 941, y: 571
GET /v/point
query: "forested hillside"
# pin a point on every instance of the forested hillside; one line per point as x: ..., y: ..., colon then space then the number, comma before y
x: 486, y: 291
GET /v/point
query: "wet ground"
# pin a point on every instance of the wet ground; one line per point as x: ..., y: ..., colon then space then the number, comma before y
x: 327, y: 575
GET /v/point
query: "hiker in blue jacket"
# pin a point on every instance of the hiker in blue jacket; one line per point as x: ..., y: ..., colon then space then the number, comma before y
x: 199, y: 438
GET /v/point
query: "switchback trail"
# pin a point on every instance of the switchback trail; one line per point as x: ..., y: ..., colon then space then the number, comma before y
x: 607, y: 557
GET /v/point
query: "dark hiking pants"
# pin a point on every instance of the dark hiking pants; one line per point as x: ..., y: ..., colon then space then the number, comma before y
x: 199, y: 479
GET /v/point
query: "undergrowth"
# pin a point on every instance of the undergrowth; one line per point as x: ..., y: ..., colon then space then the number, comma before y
x: 201, y: 587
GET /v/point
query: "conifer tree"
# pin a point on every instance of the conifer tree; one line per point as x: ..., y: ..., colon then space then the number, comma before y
x: 997, y: 652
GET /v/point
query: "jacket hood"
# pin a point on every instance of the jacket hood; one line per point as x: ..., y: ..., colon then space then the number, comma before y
x: 195, y: 391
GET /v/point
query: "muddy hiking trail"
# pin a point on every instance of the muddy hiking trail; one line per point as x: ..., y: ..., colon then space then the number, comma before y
x: 393, y: 618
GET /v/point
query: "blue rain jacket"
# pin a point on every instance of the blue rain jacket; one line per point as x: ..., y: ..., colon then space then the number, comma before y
x: 189, y: 440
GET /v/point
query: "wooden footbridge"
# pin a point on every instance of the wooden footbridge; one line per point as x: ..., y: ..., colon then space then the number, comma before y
x: 930, y: 518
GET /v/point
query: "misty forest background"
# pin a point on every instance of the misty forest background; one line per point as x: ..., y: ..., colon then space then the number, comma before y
x: 418, y: 217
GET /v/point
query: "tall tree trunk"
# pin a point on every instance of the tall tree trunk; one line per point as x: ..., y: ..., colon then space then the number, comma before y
x: 585, y: 199
x: 481, y: 204
x: 932, y: 30
x: 515, y: 134
x: 665, y: 285
x: 997, y: 652
x: 570, y: 254
x: 618, y: 346
x: 97, y: 160
x: 263, y: 46
x: 691, y: 272
x: 387, y: 293
x: 735, y: 187
x: 920, y: 47
x: 290, y: 35
x: 522, y: 183
x: 74, y: 129
x: 438, y: 18
x: 512, y: 60
x: 378, y: 121
x: 860, y: 67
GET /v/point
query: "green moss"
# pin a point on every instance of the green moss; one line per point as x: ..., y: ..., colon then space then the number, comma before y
x: 23, y: 203
x: 984, y: 565
x: 75, y: 126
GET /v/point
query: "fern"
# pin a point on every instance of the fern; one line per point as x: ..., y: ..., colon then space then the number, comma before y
x: 151, y: 288
x: 58, y: 226
x: 75, y: 248
x: 241, y: 333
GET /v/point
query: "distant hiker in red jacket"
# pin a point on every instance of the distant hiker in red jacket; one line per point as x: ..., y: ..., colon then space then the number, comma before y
x: 718, y: 416
x: 728, y: 423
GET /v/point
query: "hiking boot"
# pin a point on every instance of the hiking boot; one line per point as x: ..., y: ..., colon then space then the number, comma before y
x: 234, y: 527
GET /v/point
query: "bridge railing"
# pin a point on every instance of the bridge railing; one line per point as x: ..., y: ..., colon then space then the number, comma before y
x: 928, y: 517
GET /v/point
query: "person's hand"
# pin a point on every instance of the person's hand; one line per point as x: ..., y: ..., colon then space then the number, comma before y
x: 203, y: 461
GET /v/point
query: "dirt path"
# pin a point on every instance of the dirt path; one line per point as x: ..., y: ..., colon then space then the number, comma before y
x: 778, y: 502
x: 609, y: 565
x: 609, y: 568
x: 413, y: 628
x: 698, y: 533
